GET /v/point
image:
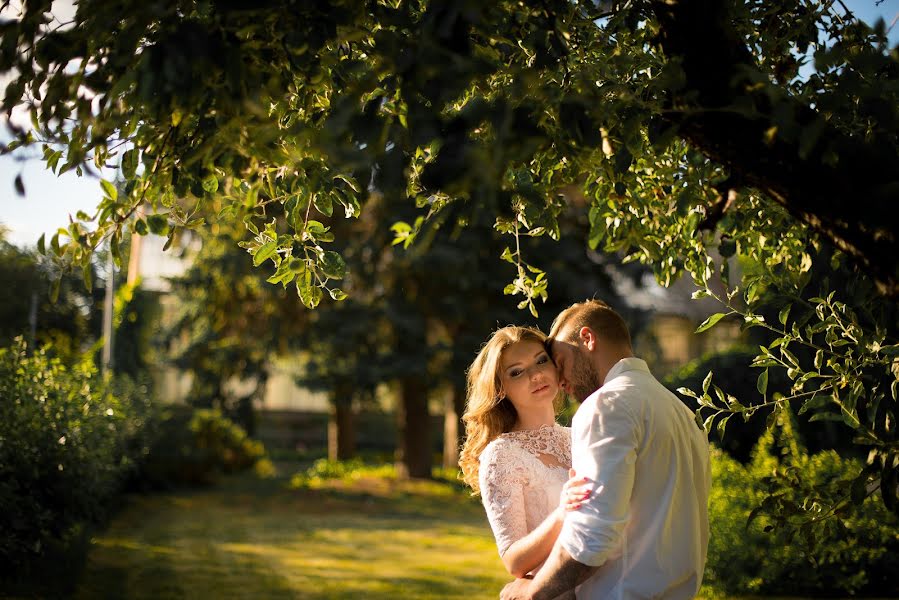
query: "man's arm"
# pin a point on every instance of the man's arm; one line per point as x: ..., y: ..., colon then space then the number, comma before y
x: 560, y: 574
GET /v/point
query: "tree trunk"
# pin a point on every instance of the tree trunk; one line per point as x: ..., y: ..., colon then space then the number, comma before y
x: 413, y: 456
x: 453, y: 428
x: 341, y: 425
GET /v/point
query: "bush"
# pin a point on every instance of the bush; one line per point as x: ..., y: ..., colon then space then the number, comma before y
x: 67, y: 440
x: 857, y: 553
x: 195, y: 447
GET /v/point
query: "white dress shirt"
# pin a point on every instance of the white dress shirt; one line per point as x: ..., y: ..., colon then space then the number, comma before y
x: 646, y: 522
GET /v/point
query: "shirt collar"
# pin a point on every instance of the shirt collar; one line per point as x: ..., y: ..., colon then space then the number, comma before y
x: 631, y: 363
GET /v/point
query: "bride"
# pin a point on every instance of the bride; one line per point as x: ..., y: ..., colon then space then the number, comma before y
x: 515, y: 454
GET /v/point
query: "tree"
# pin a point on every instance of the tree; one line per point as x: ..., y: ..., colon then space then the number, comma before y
x: 228, y: 323
x: 685, y: 126
x: 69, y: 326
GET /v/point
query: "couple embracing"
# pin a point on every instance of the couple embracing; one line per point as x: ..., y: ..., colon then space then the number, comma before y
x: 615, y: 507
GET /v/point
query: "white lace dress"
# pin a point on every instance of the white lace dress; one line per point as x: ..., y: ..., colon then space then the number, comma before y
x: 521, y: 475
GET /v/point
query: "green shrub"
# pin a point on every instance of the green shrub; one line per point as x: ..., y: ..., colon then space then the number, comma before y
x: 195, y: 447
x: 67, y: 440
x: 324, y: 469
x: 857, y: 553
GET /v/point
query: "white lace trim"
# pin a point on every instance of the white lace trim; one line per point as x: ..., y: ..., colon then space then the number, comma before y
x: 552, y: 440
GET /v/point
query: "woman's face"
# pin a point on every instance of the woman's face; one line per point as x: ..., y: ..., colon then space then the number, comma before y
x: 528, y: 375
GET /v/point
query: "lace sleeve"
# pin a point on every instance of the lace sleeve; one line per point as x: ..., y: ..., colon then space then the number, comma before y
x: 502, y: 479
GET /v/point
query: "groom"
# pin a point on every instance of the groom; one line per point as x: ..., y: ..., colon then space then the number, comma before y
x: 644, y: 531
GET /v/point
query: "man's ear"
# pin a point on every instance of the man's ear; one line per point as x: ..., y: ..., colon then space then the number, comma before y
x: 587, y: 338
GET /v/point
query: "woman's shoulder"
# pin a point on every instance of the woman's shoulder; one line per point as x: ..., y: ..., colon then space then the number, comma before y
x: 497, y: 447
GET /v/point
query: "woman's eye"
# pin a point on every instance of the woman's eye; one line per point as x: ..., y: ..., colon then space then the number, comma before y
x: 514, y: 373
x: 543, y: 359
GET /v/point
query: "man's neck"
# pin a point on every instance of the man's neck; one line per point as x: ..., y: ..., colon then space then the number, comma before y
x: 608, y: 357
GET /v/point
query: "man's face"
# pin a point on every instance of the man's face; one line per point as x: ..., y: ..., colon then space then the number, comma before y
x: 577, y: 374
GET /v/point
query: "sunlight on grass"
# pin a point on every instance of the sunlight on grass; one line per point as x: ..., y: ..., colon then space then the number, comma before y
x: 372, y: 537
x: 358, y: 535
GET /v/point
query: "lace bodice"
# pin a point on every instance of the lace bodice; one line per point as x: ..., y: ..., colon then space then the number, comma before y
x: 521, y: 474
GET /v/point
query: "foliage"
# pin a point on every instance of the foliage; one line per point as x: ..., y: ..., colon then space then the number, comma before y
x: 227, y: 323
x: 197, y: 447
x: 855, y: 554
x: 661, y: 122
x: 841, y: 368
x: 738, y: 437
x: 68, y: 325
x: 68, y: 439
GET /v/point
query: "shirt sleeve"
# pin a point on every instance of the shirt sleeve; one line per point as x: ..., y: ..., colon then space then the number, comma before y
x: 502, y: 480
x: 604, y: 448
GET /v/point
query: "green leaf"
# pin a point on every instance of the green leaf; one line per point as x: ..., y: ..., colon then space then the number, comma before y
x: 323, y: 204
x: 158, y: 224
x: 815, y: 402
x: 310, y: 295
x: 710, y: 322
x: 264, y: 252
x: 333, y: 265
x: 349, y: 181
x: 784, y: 313
x: 140, y: 226
x: 114, y: 250
x: 210, y: 183
x: 890, y: 350
x: 109, y: 189
x: 315, y: 227
x: 706, y: 382
x: 40, y: 245
x: 722, y: 425
x: 87, y: 275
x: 859, y: 490
x: 337, y: 294
x: 762, y: 383
x: 54, y: 289
x: 129, y: 163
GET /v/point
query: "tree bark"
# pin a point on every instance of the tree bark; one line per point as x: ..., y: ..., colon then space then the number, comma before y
x: 840, y: 186
x: 413, y: 456
x: 342, y: 425
x: 453, y: 428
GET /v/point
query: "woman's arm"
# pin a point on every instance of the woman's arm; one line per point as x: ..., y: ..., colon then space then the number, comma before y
x: 529, y: 552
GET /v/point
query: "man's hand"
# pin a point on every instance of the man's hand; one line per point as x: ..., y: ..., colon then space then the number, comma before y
x: 517, y: 590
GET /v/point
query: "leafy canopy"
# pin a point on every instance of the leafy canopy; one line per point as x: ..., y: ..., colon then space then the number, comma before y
x: 766, y: 131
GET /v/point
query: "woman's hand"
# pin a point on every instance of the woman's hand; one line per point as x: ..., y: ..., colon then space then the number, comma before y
x: 574, y: 492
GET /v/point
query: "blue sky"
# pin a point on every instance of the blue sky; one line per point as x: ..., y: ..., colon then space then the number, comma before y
x: 50, y: 199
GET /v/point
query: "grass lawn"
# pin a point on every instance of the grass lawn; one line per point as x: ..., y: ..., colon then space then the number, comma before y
x: 369, y: 537
x: 249, y: 538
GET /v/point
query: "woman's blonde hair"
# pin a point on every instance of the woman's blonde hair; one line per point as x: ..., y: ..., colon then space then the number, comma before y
x: 488, y: 412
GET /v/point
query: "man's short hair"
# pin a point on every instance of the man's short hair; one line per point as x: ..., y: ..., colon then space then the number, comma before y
x: 595, y: 314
